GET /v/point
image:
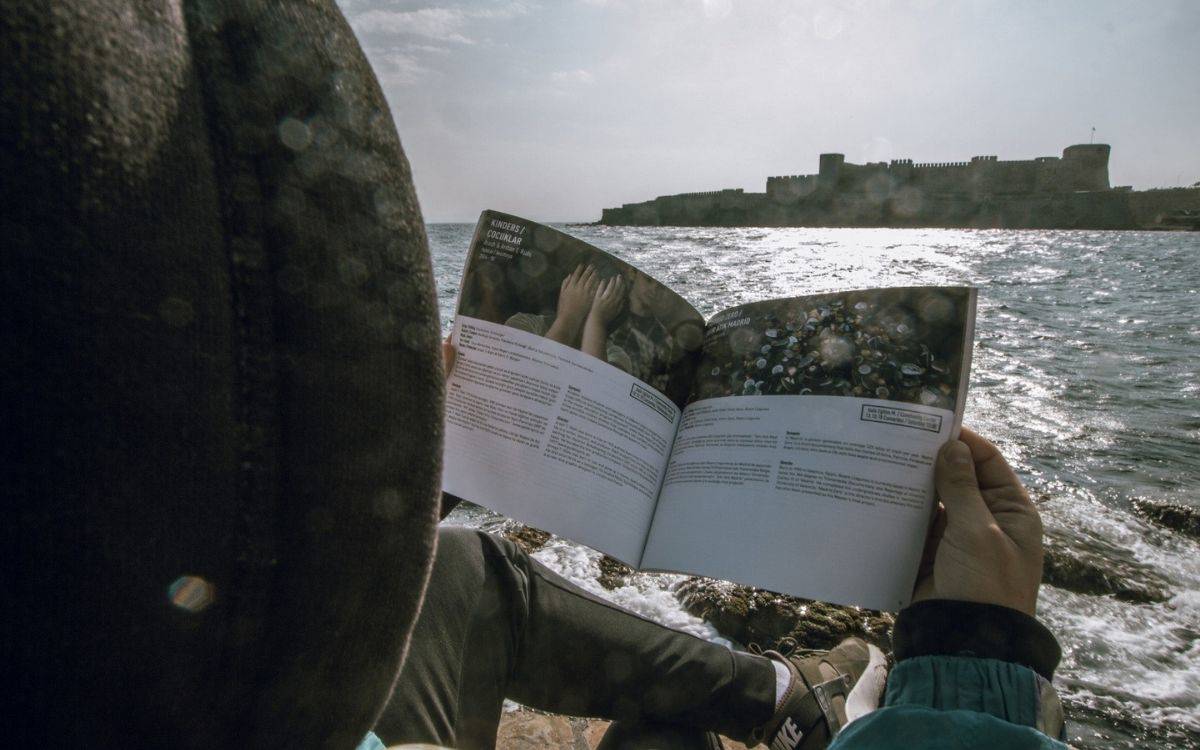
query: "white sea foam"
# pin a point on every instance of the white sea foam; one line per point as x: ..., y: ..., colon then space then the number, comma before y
x: 646, y: 594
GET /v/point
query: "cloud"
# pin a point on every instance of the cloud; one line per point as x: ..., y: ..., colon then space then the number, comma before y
x: 577, y: 77
x: 405, y: 46
x: 716, y: 8
x: 432, y: 49
x: 441, y: 23
x: 396, y: 67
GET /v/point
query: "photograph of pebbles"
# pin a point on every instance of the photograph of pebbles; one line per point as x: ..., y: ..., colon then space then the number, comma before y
x: 899, y: 344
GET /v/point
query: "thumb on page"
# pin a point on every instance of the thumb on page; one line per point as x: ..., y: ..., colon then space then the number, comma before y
x: 958, y: 489
x: 976, y: 559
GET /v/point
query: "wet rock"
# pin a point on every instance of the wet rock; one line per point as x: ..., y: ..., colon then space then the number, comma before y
x: 1099, y: 721
x: 1086, y: 564
x: 750, y: 615
x: 1182, y: 518
x: 613, y: 573
x: 527, y: 537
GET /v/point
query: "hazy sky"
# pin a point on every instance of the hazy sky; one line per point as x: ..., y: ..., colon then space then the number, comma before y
x: 556, y: 109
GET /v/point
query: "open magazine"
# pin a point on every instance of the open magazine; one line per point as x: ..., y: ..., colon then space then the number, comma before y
x: 786, y: 444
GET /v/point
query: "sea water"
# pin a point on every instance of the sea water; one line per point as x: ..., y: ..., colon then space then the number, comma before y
x: 1086, y: 373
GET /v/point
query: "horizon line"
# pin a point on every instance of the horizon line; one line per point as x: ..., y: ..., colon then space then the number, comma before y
x: 540, y: 221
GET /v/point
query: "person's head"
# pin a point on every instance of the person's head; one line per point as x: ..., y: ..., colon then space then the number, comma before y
x: 194, y: 370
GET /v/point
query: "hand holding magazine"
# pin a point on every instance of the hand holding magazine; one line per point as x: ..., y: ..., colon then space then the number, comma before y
x: 786, y: 444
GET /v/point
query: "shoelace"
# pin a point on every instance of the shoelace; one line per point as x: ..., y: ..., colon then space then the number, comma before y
x: 785, y: 647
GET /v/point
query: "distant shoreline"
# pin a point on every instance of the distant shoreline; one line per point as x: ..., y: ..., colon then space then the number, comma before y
x: 1048, y: 192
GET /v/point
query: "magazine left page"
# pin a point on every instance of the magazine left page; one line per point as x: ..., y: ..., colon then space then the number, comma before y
x: 572, y: 369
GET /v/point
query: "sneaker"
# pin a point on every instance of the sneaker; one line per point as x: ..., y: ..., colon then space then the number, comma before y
x: 813, y: 709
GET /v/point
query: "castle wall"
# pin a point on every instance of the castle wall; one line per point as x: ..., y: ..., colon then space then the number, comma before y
x: 644, y: 214
x: 732, y: 207
x: 1081, y: 167
x: 944, y: 177
x: 791, y: 187
x: 1150, y: 207
x: 1071, y: 191
x: 1015, y: 177
x: 1110, y: 209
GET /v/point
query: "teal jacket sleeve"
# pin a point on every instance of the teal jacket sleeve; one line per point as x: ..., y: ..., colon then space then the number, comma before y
x: 938, y: 702
x: 371, y: 742
x: 967, y: 675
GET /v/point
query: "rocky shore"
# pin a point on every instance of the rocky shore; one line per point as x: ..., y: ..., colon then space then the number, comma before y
x: 1087, y: 564
x: 1077, y: 559
x: 748, y: 615
x: 1182, y: 518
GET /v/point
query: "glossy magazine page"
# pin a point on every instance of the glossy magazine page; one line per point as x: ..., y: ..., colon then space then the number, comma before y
x: 804, y: 461
x: 572, y: 367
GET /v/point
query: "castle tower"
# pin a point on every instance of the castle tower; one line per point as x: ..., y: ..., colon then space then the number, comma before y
x: 1085, y: 166
x: 830, y: 171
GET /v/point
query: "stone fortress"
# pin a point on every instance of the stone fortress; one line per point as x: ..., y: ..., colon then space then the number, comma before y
x: 1049, y: 192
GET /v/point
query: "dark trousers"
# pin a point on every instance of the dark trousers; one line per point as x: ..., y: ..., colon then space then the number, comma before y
x: 497, y: 624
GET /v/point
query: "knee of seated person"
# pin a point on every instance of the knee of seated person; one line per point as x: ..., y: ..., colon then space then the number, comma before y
x: 462, y: 548
x: 491, y: 567
x: 471, y: 557
x: 457, y: 543
x: 458, y: 559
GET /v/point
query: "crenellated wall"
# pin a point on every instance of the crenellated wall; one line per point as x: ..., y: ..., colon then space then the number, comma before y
x: 791, y: 187
x: 1081, y: 167
x: 1049, y: 191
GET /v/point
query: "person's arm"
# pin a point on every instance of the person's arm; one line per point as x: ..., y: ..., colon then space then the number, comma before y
x: 973, y: 666
x: 605, y: 305
x: 574, y: 300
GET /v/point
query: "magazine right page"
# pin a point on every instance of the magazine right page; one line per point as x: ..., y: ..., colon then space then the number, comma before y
x: 804, y: 459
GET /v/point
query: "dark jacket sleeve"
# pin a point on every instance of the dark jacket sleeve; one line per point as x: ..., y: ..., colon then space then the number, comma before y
x: 943, y: 627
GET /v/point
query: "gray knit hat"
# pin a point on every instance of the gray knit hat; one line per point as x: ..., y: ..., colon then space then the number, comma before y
x: 221, y: 387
